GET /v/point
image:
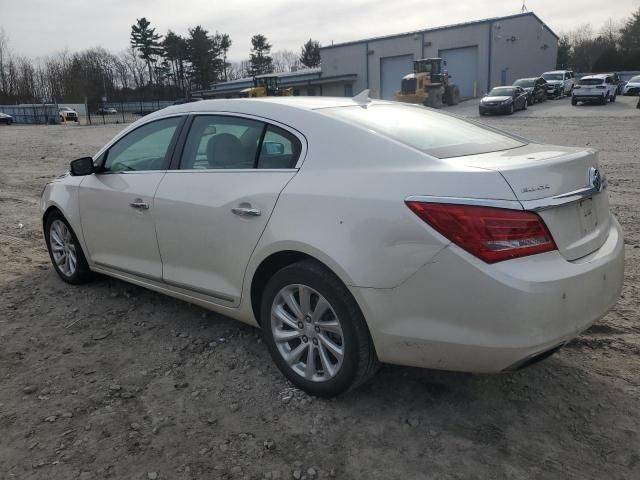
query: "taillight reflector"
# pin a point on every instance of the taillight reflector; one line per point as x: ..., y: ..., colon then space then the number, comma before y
x: 491, y: 234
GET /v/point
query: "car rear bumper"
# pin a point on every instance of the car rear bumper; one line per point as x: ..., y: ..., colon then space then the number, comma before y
x: 588, y: 97
x: 459, y: 313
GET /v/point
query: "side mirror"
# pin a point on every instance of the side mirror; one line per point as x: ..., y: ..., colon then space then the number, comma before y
x: 82, y: 166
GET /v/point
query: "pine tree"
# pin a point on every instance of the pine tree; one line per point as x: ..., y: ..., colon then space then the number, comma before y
x: 260, y: 59
x: 147, y: 42
x: 310, y: 56
x: 201, y: 52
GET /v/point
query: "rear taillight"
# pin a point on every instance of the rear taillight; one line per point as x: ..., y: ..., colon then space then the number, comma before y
x: 491, y: 234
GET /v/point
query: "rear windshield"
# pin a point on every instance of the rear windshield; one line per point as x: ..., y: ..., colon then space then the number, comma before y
x: 437, y: 134
x: 524, y: 83
x: 591, y: 81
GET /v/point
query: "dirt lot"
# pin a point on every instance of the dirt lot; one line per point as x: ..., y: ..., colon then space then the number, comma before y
x: 113, y: 381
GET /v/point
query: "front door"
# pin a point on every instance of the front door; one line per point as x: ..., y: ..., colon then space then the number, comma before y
x: 211, y: 212
x: 116, y: 205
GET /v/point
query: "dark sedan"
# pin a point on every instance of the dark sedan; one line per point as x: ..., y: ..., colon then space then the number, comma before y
x: 6, y: 118
x: 503, y: 100
x: 535, y: 87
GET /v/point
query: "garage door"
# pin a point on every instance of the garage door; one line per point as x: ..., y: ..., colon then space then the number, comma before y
x: 462, y: 64
x: 392, y: 69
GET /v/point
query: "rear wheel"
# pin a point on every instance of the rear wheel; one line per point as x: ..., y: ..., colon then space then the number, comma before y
x: 511, y: 109
x: 604, y: 99
x: 315, y: 331
x: 574, y: 101
x: 613, y: 99
x: 65, y: 251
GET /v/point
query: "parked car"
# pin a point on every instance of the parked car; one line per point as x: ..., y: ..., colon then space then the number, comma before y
x: 106, y: 111
x: 352, y: 236
x: 536, y: 89
x: 559, y: 83
x: 618, y: 82
x: 503, y: 100
x: 632, y: 87
x: 6, y: 118
x: 68, y: 114
x: 595, y: 88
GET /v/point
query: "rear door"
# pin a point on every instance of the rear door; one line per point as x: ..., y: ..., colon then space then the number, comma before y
x: 212, y: 209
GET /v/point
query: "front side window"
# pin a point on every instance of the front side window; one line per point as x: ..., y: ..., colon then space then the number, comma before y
x: 219, y: 142
x: 280, y: 149
x: 145, y: 148
x: 437, y: 134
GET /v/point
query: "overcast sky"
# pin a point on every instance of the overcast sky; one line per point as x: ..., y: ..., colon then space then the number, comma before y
x: 41, y: 27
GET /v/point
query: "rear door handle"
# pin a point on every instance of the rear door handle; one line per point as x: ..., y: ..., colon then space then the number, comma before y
x: 246, y: 211
x: 139, y: 204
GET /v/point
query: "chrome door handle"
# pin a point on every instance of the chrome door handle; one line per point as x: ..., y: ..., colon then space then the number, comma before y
x: 246, y: 211
x: 140, y: 205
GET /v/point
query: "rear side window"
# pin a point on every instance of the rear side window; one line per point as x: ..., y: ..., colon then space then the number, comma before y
x: 219, y: 142
x: 437, y: 134
x: 280, y: 149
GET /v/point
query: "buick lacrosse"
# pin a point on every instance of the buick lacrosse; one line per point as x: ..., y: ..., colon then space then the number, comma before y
x: 351, y: 231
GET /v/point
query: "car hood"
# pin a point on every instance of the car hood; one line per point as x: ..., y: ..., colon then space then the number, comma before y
x: 632, y: 84
x: 496, y: 99
x: 553, y: 83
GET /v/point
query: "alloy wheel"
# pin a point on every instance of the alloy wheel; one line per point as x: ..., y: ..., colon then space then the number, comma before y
x: 63, y: 248
x: 307, y: 333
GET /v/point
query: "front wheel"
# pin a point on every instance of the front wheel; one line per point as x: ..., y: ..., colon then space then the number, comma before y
x: 511, y: 109
x: 65, y: 251
x: 315, y: 331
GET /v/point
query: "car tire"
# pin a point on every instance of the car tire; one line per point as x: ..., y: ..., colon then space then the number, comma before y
x: 604, y: 99
x: 300, y: 333
x: 613, y: 99
x: 9, y: 122
x: 511, y: 109
x: 525, y: 105
x: 574, y: 101
x: 63, y: 244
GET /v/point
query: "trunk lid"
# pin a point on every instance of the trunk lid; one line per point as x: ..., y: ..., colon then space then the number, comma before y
x: 555, y: 182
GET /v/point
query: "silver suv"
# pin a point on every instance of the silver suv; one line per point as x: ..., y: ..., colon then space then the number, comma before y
x: 559, y: 82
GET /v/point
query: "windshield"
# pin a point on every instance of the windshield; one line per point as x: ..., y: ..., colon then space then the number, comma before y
x: 635, y: 79
x: 552, y: 76
x: 591, y: 81
x: 502, y: 92
x: 437, y: 134
x: 525, y: 82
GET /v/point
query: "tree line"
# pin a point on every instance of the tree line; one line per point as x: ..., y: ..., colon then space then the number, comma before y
x: 615, y: 47
x: 154, y: 66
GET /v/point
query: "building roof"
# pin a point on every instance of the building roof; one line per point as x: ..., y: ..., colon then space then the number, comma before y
x: 446, y: 27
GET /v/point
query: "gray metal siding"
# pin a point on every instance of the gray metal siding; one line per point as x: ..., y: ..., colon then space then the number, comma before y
x: 462, y: 64
x: 392, y: 69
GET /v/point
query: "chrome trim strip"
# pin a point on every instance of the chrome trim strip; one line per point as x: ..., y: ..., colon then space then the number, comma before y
x: 563, y: 199
x: 199, y: 290
x: 128, y: 272
x: 480, y: 202
x: 160, y: 280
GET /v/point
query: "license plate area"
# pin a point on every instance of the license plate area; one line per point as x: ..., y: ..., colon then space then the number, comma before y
x: 588, y: 215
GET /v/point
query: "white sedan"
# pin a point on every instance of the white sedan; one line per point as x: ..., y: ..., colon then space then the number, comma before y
x: 351, y: 231
x: 632, y: 87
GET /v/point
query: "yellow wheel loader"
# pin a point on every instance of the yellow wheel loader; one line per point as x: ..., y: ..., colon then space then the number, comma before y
x: 428, y: 84
x: 266, y: 86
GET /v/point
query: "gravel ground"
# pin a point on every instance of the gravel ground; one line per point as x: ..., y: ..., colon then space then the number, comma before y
x: 109, y: 380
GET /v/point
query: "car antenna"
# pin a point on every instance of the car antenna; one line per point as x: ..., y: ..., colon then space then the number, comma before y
x: 362, y: 98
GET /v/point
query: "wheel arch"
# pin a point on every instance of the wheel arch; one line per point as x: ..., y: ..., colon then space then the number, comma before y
x: 272, y: 264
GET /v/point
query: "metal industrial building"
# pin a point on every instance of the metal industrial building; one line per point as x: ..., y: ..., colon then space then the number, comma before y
x: 479, y: 55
